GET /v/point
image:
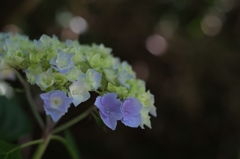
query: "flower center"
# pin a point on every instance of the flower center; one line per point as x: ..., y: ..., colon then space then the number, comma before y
x: 63, y: 63
x: 56, y: 102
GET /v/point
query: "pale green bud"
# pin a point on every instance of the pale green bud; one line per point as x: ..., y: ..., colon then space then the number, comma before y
x: 121, y: 91
x: 45, y: 39
x: 111, y: 75
x: 14, y: 58
x: 78, y: 57
x: 45, y: 79
x: 35, y: 57
x: 74, y: 74
x: 60, y: 79
x: 95, y: 61
x: 137, y: 85
x: 102, y: 50
x: 107, y: 62
x: 145, y: 118
x: 93, y: 79
x: 32, y: 71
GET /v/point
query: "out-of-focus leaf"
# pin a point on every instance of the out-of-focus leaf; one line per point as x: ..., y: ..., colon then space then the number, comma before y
x: 13, y: 121
x: 194, y: 29
x: 8, y: 151
x: 71, y: 142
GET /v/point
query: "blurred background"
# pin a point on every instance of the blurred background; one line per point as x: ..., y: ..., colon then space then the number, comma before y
x: 187, y: 51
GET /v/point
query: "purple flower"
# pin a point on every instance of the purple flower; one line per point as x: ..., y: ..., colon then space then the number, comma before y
x: 109, y: 109
x: 131, y: 109
x: 56, y: 103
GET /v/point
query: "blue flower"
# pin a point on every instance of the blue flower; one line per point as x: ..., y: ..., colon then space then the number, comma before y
x: 123, y: 77
x: 93, y: 78
x: 131, y: 109
x: 78, y: 92
x: 63, y: 62
x: 38, y: 44
x: 56, y: 103
x: 109, y: 109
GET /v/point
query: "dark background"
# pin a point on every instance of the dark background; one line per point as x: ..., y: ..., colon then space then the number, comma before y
x: 187, y: 51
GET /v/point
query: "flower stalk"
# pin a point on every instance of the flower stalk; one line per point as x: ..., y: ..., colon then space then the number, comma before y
x: 30, y: 100
x: 73, y: 121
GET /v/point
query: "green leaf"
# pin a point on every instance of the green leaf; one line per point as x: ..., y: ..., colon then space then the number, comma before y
x: 13, y: 120
x: 9, y: 151
x: 72, y: 144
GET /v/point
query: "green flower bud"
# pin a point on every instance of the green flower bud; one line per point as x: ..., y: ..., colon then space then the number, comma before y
x: 95, y: 61
x: 78, y: 57
x: 145, y: 118
x: 121, y: 91
x: 60, y: 79
x: 14, y: 58
x: 74, y: 74
x: 32, y: 71
x: 45, y: 79
x: 35, y: 57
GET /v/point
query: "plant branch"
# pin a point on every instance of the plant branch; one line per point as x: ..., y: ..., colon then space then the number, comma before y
x: 42, y: 147
x: 25, y: 145
x: 30, y: 100
x: 73, y: 121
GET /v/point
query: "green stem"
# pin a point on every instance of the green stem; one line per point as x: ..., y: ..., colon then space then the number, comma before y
x: 64, y: 141
x: 42, y: 147
x: 98, y: 92
x: 30, y: 100
x: 26, y: 145
x: 73, y: 121
x: 48, y: 120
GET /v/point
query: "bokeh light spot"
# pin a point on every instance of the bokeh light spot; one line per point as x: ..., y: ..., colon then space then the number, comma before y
x: 224, y: 5
x: 67, y: 33
x: 12, y: 28
x: 6, y: 90
x: 168, y: 25
x: 78, y: 24
x: 142, y: 70
x: 63, y: 18
x: 211, y: 25
x: 156, y: 44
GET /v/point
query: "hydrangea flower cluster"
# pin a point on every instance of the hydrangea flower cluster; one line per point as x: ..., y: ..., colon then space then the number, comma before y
x: 67, y: 72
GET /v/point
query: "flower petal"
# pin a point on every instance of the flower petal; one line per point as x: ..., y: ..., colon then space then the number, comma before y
x: 78, y: 92
x: 110, y: 121
x: 132, y: 106
x: 110, y: 101
x: 54, y: 113
x: 99, y: 104
x: 110, y: 105
x: 63, y: 62
x: 132, y: 121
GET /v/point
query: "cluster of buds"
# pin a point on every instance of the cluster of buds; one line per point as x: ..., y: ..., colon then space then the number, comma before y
x: 68, y: 71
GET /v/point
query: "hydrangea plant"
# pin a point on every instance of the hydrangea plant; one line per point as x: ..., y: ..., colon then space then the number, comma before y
x: 67, y: 72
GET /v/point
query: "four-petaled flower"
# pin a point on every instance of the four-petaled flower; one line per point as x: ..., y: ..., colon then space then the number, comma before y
x: 109, y: 109
x: 78, y: 92
x: 56, y: 103
x: 63, y: 62
x: 131, y: 109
